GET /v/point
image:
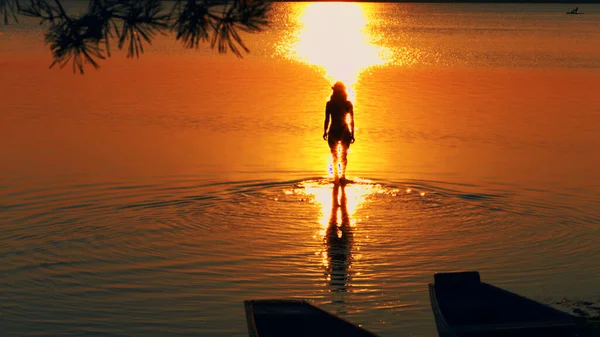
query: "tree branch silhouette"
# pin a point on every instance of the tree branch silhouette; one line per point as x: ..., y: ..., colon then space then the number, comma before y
x: 132, y: 24
x: 9, y: 8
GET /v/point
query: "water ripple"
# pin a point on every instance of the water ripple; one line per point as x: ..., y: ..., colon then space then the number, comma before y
x: 148, y: 251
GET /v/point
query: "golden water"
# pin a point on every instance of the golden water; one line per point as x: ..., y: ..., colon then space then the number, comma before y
x: 153, y: 196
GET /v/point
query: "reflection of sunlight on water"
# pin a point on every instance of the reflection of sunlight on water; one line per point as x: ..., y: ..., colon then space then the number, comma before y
x: 322, y: 194
x: 334, y: 38
x: 343, y: 221
x: 343, y: 229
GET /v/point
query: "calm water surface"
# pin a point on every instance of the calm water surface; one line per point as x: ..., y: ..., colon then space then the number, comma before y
x: 153, y: 196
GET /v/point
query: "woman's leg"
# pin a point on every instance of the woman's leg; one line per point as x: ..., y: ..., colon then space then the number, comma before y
x: 344, y: 158
x: 345, y: 144
x: 333, y: 147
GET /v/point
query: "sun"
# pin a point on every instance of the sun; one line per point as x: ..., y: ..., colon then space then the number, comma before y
x: 334, y: 38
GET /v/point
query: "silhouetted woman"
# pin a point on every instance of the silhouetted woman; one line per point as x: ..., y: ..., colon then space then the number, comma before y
x: 341, y: 128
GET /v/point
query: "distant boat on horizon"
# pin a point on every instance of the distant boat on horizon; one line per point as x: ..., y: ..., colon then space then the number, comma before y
x: 574, y: 11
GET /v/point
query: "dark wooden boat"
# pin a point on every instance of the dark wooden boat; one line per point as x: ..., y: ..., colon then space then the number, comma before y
x: 296, y: 318
x: 464, y: 306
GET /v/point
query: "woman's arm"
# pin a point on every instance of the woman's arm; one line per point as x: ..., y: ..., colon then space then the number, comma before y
x: 352, y: 120
x: 326, y: 123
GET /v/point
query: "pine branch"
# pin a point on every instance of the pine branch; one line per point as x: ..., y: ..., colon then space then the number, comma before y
x: 135, y: 23
x: 9, y: 8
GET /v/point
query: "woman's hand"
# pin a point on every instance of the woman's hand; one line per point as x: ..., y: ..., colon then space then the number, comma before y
x: 325, y: 136
x: 352, y: 139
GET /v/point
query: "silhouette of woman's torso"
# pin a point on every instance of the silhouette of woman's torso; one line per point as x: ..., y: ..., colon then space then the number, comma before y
x: 338, y: 108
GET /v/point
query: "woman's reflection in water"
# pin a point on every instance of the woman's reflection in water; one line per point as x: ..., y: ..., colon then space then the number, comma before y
x: 338, y: 240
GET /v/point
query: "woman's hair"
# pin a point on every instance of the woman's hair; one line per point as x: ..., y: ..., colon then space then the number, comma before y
x: 339, y: 95
x: 339, y: 91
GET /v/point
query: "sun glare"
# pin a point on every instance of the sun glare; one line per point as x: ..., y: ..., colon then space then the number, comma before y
x: 334, y: 37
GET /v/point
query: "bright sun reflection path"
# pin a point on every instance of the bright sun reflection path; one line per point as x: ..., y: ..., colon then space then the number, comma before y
x: 333, y: 37
x: 322, y: 194
x: 356, y: 194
